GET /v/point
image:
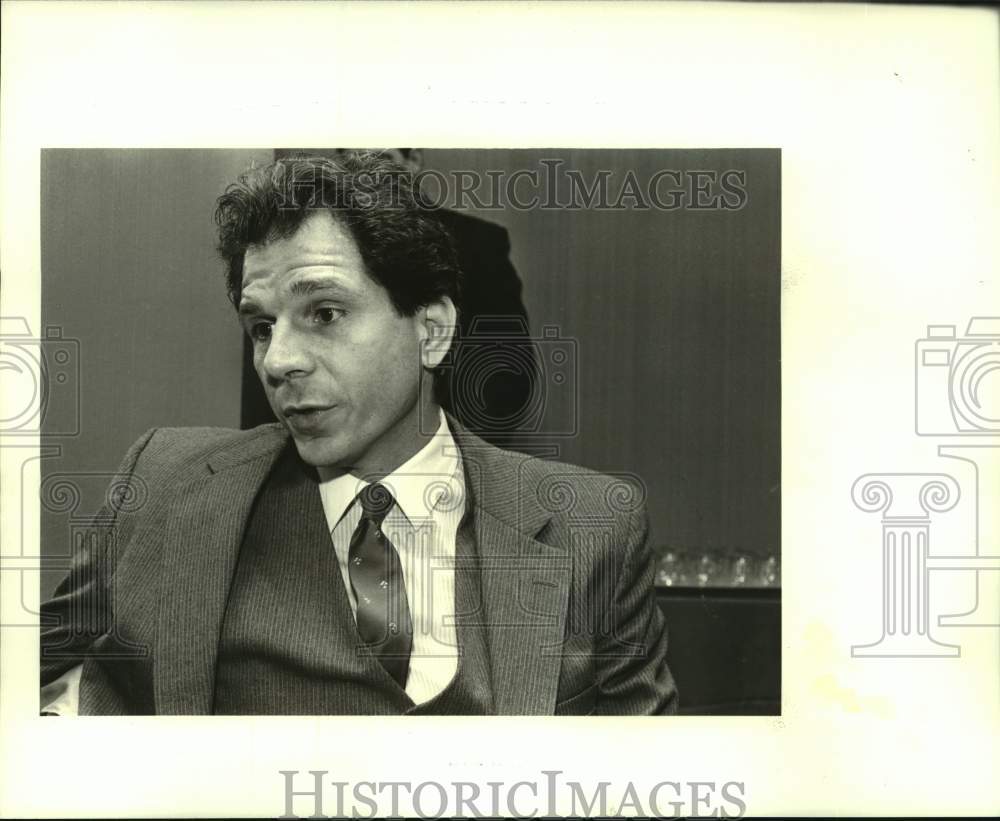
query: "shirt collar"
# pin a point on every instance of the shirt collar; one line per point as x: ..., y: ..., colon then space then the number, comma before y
x: 428, y: 480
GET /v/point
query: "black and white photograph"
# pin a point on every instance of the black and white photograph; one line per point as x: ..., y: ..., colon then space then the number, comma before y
x: 405, y: 431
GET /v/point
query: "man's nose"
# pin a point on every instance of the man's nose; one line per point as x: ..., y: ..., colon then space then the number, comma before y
x: 287, y: 354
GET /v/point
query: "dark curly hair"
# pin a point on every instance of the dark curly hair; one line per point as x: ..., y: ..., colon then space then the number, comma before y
x: 403, y: 245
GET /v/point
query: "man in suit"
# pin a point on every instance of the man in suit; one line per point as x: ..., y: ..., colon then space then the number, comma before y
x: 366, y: 554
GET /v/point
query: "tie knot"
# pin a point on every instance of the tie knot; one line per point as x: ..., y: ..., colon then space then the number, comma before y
x: 375, y: 501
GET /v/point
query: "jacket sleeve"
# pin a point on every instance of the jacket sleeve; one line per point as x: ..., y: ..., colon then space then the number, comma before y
x: 633, y: 677
x: 81, y: 609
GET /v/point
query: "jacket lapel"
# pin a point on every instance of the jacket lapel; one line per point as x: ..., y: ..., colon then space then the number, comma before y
x: 525, y: 582
x: 204, y: 529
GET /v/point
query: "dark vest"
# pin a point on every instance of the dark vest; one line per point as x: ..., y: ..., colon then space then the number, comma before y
x: 289, y: 643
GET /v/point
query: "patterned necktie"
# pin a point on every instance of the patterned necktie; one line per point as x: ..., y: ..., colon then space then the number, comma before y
x: 383, y: 613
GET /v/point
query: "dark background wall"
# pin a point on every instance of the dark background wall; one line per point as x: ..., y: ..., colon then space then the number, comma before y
x: 677, y: 323
x: 674, y: 314
x: 129, y: 270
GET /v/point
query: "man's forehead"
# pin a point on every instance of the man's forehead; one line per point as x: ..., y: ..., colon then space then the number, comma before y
x: 319, y: 243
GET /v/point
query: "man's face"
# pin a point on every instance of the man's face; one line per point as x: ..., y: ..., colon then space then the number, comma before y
x: 340, y: 367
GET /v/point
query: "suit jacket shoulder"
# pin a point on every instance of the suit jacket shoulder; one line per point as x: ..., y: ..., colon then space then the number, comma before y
x: 187, y: 452
x: 591, y: 487
x: 522, y: 490
x: 532, y: 494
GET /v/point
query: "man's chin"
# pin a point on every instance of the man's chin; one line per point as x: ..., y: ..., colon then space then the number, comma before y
x: 322, y: 451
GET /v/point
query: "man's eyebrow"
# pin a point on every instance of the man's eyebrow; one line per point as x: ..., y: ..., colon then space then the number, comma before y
x: 248, y: 308
x: 305, y: 287
x: 301, y: 287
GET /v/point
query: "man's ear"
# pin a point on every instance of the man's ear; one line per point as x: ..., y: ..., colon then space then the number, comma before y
x: 438, y: 326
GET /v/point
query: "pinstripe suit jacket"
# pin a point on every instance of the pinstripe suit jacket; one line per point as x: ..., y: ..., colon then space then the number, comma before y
x: 567, y: 580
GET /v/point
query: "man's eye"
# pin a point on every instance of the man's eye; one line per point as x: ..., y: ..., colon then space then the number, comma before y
x: 327, y: 315
x: 260, y: 331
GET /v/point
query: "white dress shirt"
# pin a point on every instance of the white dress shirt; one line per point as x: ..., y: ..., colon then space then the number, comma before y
x: 429, y: 490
